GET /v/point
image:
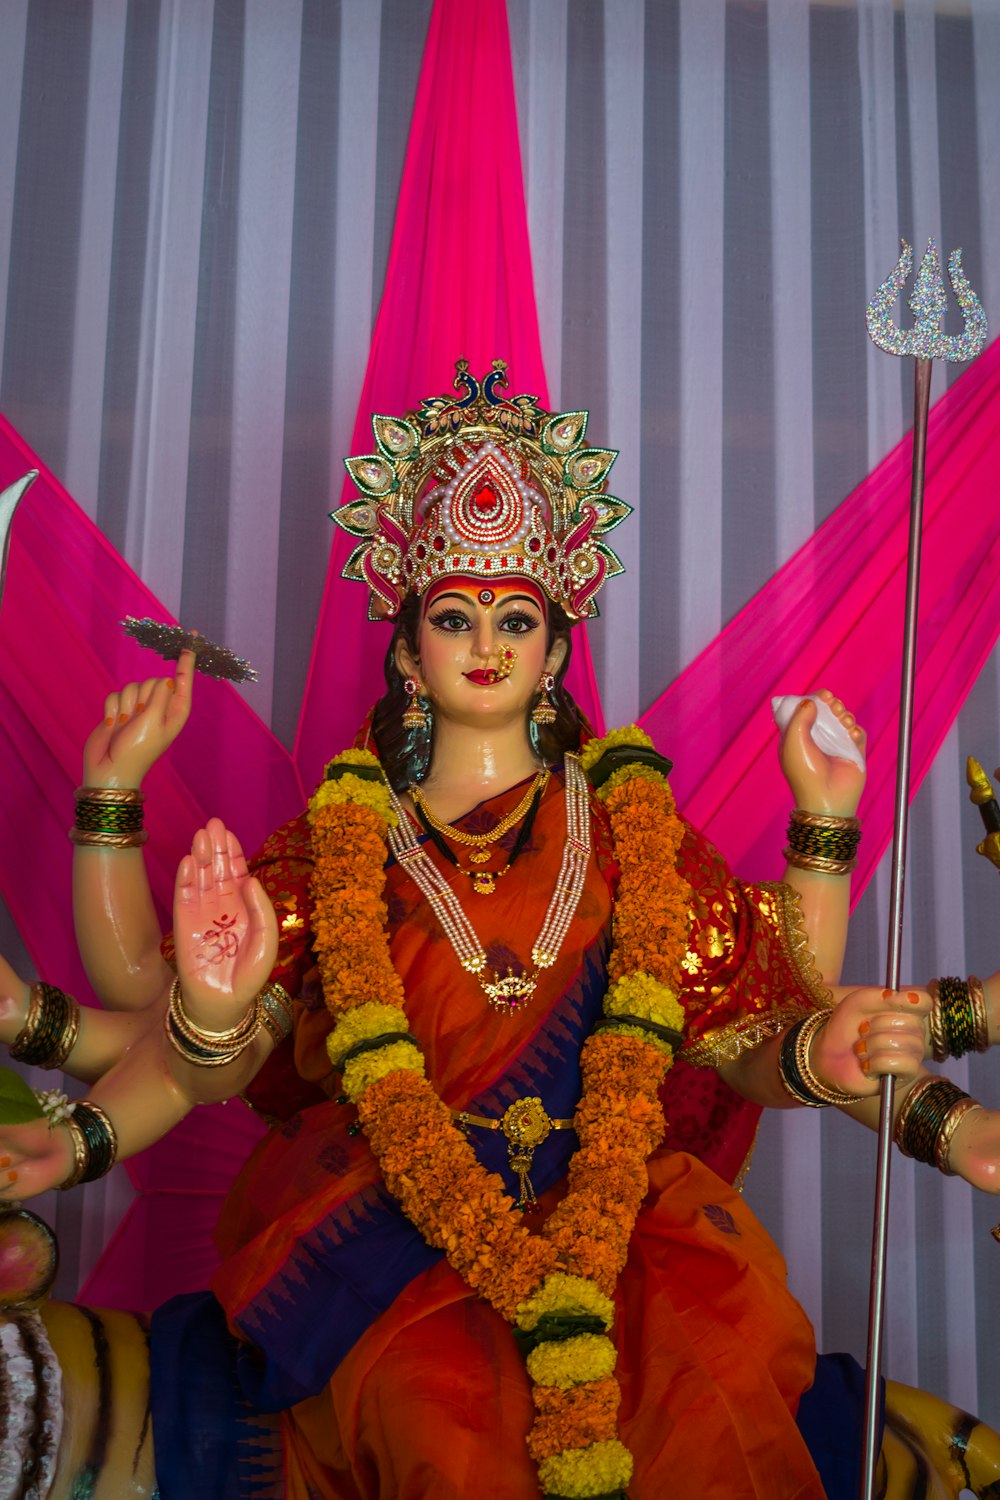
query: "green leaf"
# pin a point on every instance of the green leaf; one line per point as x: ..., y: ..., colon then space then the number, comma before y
x: 18, y: 1104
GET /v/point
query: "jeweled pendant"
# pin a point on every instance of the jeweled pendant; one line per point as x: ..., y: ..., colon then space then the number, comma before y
x: 483, y: 883
x: 510, y: 992
x: 479, y: 856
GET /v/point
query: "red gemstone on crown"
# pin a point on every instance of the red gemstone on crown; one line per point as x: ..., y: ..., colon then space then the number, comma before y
x: 485, y: 499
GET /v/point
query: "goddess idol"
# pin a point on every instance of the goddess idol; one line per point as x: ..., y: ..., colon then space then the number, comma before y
x: 506, y: 1013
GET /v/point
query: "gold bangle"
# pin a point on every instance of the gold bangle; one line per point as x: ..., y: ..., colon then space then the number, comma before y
x: 81, y: 1156
x: 88, y: 838
x: 50, y: 1030
x: 68, y: 1040
x: 952, y: 1120
x: 803, y: 1046
x: 977, y: 999
x: 935, y: 1024
x: 208, y: 1049
x: 109, y: 796
x: 825, y: 820
x: 817, y: 862
x: 215, y: 1040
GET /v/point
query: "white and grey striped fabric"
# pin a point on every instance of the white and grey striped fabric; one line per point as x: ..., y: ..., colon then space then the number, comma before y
x: 196, y: 202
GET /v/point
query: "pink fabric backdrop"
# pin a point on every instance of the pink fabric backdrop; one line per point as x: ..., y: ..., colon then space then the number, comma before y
x: 451, y: 291
x: 459, y: 284
x: 833, y: 617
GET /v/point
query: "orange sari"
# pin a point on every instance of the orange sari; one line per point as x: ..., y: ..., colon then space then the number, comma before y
x: 424, y: 1393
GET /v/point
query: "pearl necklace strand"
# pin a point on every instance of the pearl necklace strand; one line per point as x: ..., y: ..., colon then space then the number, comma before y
x: 509, y: 992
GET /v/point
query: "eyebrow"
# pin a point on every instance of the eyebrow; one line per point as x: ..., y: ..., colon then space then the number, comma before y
x: 468, y: 599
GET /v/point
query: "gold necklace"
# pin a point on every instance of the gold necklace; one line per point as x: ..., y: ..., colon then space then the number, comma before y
x: 479, y: 842
x: 509, y: 991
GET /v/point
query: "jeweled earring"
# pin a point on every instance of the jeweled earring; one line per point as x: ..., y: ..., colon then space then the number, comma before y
x: 418, y: 722
x: 544, y: 711
x: 416, y: 713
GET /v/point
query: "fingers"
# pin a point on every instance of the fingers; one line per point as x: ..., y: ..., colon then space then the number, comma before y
x: 263, y: 924
x: 183, y: 687
x: 892, y: 1038
x: 211, y: 860
x: 222, y: 870
x: 804, y: 716
x: 237, y: 859
x: 186, y: 884
x: 845, y: 716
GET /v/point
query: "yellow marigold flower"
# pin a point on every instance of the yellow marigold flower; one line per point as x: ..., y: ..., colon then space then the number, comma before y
x: 589, y: 1356
x: 631, y: 734
x: 639, y: 994
x: 594, y: 1470
x: 364, y: 1070
x: 560, y: 1293
x: 362, y: 1024
x: 354, y: 757
x: 348, y: 788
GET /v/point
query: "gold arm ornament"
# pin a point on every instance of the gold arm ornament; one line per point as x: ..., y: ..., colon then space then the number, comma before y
x: 982, y: 794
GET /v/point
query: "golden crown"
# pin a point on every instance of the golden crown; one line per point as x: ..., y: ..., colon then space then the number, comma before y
x: 487, y: 485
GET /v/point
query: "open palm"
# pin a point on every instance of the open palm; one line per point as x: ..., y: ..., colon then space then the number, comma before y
x: 225, y: 932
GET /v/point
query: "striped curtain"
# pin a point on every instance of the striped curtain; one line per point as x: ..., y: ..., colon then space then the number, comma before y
x: 196, y: 204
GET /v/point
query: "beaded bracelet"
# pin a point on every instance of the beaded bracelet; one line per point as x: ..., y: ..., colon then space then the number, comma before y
x: 959, y: 1021
x: 820, y: 841
x: 276, y: 1012
x: 50, y: 1028
x: 931, y: 1113
x: 95, y: 1143
x: 109, y: 817
x: 795, y: 1070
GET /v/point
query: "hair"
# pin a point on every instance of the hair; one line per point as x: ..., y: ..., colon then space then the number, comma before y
x: 391, y: 740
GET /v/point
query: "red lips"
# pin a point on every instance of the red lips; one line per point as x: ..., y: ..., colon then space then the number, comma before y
x: 482, y: 677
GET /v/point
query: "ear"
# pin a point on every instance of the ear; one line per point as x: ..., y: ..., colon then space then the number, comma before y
x: 556, y: 656
x: 406, y: 663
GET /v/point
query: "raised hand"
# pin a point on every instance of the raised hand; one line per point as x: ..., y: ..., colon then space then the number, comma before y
x: 821, y: 783
x: 225, y: 931
x: 139, y: 724
x: 870, y: 1033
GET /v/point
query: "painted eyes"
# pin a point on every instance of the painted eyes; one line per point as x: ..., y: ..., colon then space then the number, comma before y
x: 453, y: 622
x: 518, y: 624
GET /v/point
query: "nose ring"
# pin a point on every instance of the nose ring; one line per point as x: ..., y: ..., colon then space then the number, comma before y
x: 508, y: 656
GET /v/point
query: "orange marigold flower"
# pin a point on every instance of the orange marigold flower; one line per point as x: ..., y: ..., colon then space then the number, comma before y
x: 573, y: 1417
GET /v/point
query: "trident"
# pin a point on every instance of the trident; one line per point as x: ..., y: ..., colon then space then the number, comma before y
x: 926, y: 341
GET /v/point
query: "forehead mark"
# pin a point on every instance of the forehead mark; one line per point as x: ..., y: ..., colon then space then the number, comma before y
x: 474, y: 593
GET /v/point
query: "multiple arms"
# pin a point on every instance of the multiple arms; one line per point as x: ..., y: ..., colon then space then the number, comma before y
x: 226, y: 939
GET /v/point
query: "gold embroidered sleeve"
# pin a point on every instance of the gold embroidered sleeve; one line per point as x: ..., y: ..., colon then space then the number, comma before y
x: 748, y: 970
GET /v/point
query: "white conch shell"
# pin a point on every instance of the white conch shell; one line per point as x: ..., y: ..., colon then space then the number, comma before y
x: 827, y: 733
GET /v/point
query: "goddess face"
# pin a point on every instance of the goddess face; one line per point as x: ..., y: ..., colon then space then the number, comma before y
x: 468, y: 632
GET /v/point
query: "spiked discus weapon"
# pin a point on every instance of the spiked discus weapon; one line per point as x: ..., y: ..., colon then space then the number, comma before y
x: 926, y: 341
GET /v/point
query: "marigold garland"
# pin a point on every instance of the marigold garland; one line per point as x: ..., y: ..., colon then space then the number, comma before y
x: 593, y: 1470
x: 571, y: 1269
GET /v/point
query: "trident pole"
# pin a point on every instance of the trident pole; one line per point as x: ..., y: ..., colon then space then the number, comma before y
x: 925, y: 341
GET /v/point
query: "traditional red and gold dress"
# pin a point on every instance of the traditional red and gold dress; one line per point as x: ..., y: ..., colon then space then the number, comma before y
x: 390, y: 1376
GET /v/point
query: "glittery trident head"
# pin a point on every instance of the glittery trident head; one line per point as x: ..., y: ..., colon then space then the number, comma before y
x: 484, y: 485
